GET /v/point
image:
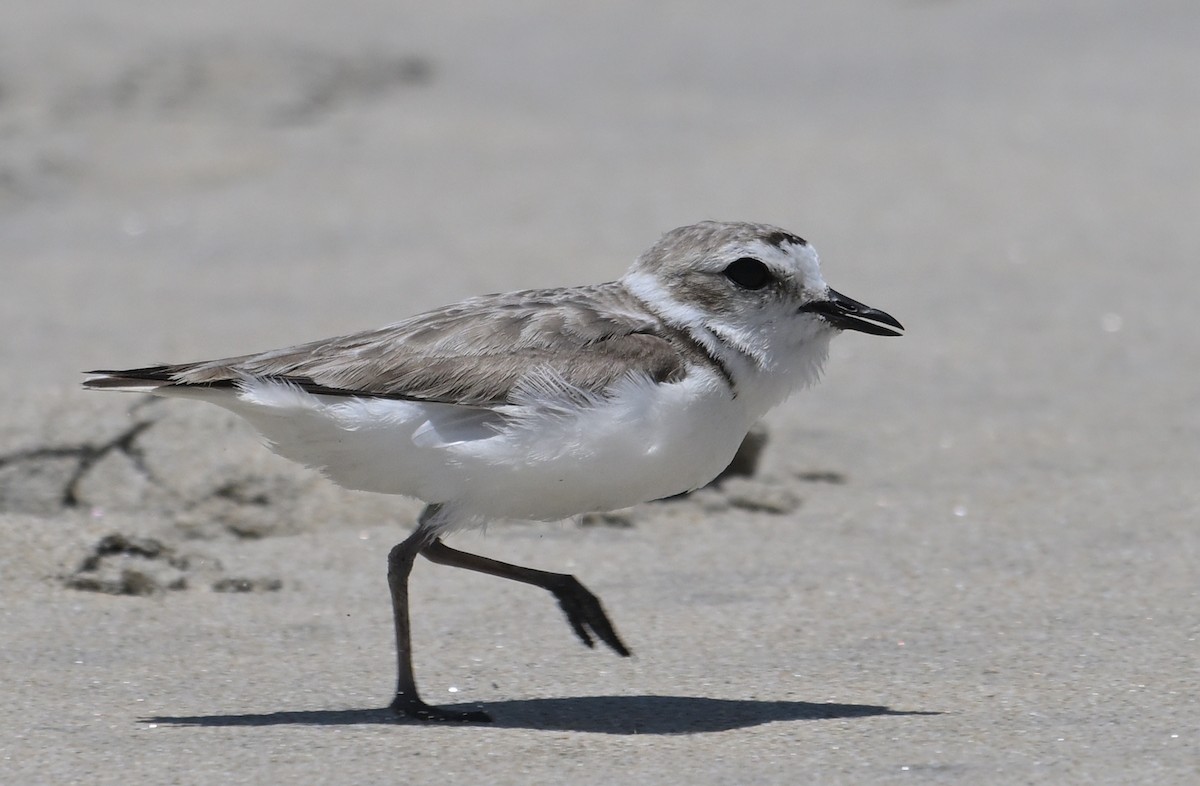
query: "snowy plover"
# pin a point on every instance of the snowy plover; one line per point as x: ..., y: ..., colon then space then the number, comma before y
x: 546, y: 403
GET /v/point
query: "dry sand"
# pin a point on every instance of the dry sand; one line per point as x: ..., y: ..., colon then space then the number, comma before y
x: 992, y: 574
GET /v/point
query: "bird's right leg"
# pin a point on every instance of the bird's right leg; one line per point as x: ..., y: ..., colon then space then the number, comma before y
x: 583, y: 609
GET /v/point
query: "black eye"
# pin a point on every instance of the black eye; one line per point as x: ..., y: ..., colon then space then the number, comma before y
x: 748, y: 273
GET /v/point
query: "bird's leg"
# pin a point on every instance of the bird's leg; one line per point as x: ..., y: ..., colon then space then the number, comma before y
x: 582, y: 608
x: 400, y: 563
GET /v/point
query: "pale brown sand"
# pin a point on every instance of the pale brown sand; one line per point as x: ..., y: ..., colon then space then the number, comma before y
x: 1004, y: 587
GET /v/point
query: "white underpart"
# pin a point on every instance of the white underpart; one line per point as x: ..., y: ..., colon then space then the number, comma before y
x: 556, y: 452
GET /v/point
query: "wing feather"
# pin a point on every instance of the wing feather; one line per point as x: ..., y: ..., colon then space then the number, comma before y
x: 473, y: 353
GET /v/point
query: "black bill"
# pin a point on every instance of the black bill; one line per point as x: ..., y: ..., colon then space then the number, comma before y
x: 848, y: 314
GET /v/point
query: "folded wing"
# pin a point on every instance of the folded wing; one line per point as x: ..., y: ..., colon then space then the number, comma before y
x: 473, y: 353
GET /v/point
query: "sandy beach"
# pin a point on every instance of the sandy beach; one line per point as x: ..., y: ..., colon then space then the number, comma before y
x: 970, y: 555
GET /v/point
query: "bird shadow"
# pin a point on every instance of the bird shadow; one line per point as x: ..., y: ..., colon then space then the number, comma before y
x: 597, y: 714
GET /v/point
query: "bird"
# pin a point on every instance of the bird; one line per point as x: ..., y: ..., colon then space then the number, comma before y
x: 543, y: 404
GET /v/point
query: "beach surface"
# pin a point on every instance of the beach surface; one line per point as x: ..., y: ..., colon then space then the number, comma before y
x: 970, y: 555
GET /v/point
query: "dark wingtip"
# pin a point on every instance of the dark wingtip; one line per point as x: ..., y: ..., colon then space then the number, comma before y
x: 122, y: 378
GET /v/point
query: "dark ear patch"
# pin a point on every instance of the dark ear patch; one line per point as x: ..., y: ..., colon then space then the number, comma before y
x: 777, y: 239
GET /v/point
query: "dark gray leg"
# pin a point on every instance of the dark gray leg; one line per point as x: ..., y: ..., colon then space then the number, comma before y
x: 400, y: 562
x: 582, y: 608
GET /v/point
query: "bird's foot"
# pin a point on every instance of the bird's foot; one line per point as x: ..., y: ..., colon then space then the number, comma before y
x: 415, y: 709
x: 586, y: 615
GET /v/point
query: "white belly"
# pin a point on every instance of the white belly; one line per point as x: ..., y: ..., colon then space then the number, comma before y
x: 536, y: 460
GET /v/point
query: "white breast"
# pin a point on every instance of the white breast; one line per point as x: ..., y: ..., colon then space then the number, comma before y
x: 643, y: 441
